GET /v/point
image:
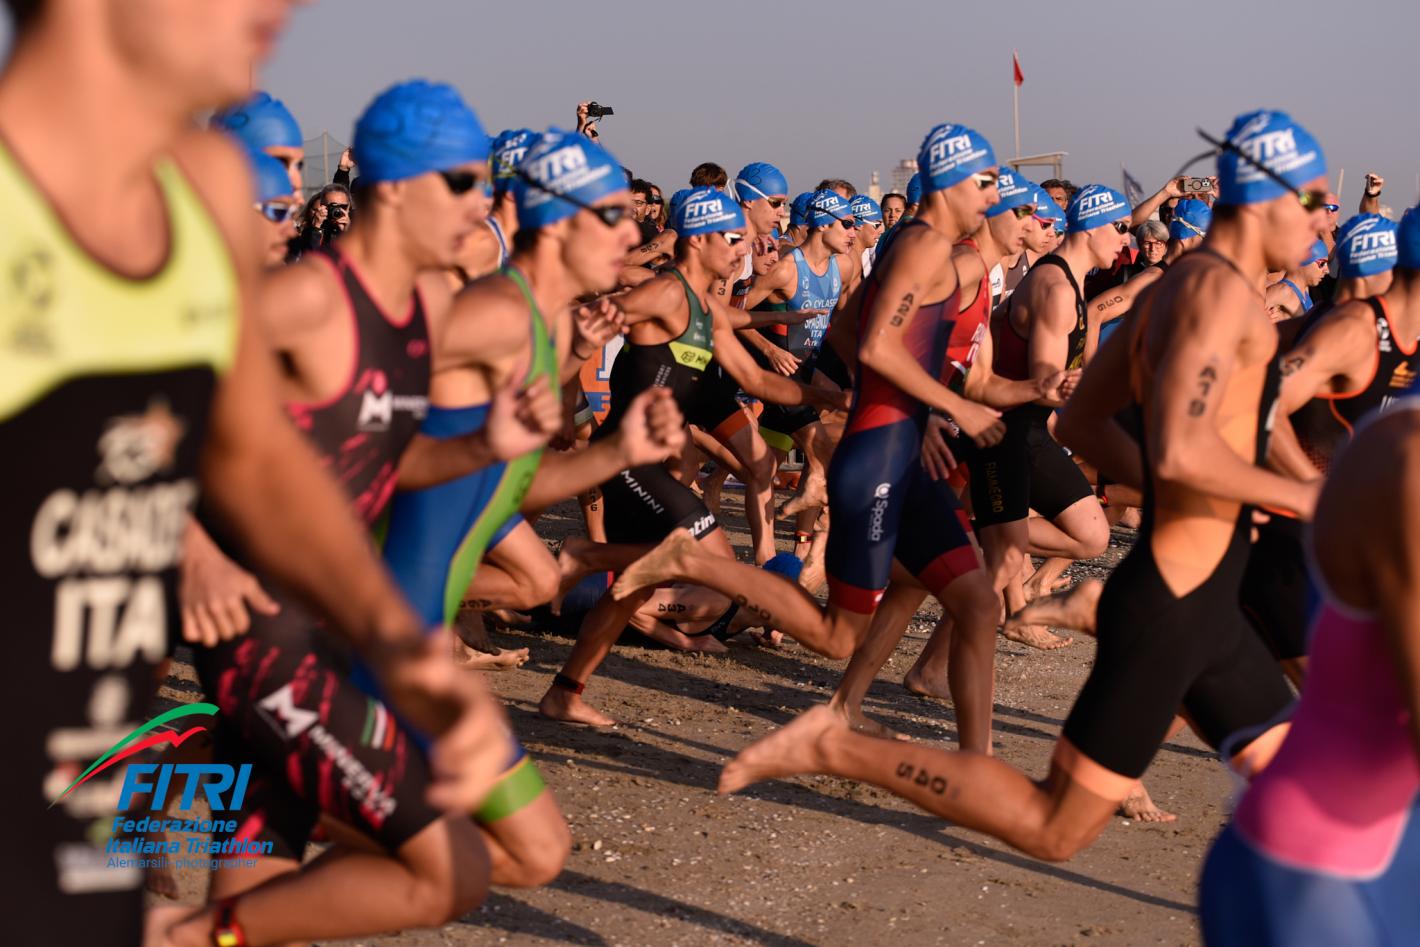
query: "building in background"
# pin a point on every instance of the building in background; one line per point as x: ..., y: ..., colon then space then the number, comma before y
x: 875, y: 190
x: 903, y: 173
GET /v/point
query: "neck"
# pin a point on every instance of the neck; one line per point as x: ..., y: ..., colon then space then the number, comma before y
x: 1403, y: 302
x: 938, y: 215
x: 78, y: 120
x: 385, y: 268
x: 1075, y: 251
x: 1296, y: 276
x: 1239, y: 240
x: 547, y: 277
x: 506, y: 213
x: 695, y: 273
x: 987, y: 246
x: 816, y: 252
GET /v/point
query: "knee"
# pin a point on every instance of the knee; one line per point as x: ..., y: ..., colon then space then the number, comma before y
x: 435, y: 901
x: 1053, y: 845
x: 761, y: 469
x: 1096, y: 538
x: 540, y: 864
x: 980, y: 605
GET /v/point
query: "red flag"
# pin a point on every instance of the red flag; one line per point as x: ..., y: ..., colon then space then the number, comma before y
x: 1016, y: 65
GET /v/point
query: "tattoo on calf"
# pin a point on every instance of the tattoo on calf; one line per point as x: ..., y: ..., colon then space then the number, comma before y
x: 1207, y: 378
x: 478, y: 604
x: 904, y: 310
x: 920, y: 777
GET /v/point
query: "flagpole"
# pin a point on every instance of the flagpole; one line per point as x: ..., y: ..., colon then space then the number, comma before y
x: 1016, y: 104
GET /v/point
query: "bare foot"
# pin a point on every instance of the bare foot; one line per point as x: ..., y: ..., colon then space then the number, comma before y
x: 768, y: 638
x: 813, y: 576
x: 1073, y: 608
x: 661, y: 564
x: 712, y: 486
x: 812, y: 494
x: 561, y: 704
x: 706, y: 644
x: 1131, y: 518
x: 855, y: 718
x: 474, y: 659
x: 788, y: 751
x: 471, y: 631
x: 1032, y: 586
x: 1035, y: 636
x: 572, y: 567
x: 926, y: 685
x: 1141, y: 808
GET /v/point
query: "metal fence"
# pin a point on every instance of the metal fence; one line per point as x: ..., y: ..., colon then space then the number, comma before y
x: 322, y: 158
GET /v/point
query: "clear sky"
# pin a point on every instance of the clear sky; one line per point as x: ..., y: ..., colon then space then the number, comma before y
x: 836, y: 88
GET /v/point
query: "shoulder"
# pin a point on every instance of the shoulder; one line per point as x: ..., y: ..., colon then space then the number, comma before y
x: 300, y: 297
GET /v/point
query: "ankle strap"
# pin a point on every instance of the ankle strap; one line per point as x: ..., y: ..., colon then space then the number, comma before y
x: 567, y: 684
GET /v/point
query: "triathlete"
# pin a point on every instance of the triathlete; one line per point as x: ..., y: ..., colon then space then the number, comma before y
x: 883, y: 505
x: 967, y: 370
x: 1291, y: 295
x: 265, y: 124
x: 1324, y: 848
x: 130, y: 377
x: 870, y: 229
x: 1350, y: 359
x: 354, y: 334
x: 277, y: 204
x: 1041, y: 330
x: 487, y: 249
x: 1170, y: 634
x: 675, y: 327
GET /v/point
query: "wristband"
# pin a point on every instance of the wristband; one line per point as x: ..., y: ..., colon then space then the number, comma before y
x: 226, y: 932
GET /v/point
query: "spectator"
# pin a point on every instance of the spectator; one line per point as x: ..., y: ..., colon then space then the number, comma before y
x: 641, y: 207
x: 843, y: 188
x: 1060, y: 190
x: 894, y: 206
x: 327, y: 216
x: 1153, y: 236
x: 658, y: 208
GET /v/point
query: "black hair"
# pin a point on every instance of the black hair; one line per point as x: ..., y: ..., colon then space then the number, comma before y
x: 24, y: 12
x: 901, y: 197
x: 638, y: 186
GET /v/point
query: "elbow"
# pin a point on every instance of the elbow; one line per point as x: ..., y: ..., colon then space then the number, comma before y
x: 872, y: 353
x: 1175, y: 464
x: 1069, y: 429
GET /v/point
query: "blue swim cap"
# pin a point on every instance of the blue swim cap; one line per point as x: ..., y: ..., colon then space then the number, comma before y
x: 786, y: 564
x: 261, y: 122
x: 1016, y: 191
x: 950, y: 154
x: 865, y: 209
x: 673, y: 205
x: 562, y: 162
x: 827, y: 208
x: 1094, y: 206
x: 509, y: 149
x: 914, y: 189
x: 414, y: 128
x: 1046, y: 208
x: 1317, y: 254
x: 706, y: 210
x: 799, y: 209
x: 1191, y: 218
x: 759, y: 179
x: 1407, y: 239
x: 1366, y: 246
x: 269, y: 176
x: 1275, y: 141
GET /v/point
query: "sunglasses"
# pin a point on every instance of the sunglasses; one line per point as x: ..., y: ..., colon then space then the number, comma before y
x: 1331, y: 208
x: 275, y: 212
x: 731, y: 237
x: 1024, y: 211
x: 984, y: 180
x: 610, y: 216
x: 1310, y: 200
x: 461, y: 182
x: 1120, y: 226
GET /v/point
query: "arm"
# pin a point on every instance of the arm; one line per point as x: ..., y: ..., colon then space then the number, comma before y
x: 1393, y: 567
x: 645, y: 255
x: 1285, y: 454
x: 215, y: 592
x: 1171, y: 189
x: 759, y: 383
x: 1112, y: 304
x: 1052, y: 316
x: 1190, y: 381
x: 984, y: 385
x: 884, y: 349
x: 1087, y: 425
x: 1371, y: 193
x: 1340, y: 347
x: 780, y: 280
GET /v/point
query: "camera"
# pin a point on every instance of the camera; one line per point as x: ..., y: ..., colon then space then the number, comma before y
x: 1197, y: 185
x: 599, y: 111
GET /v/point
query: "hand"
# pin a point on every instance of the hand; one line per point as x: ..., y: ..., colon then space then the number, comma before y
x: 318, y: 215
x: 585, y: 126
x: 1374, y: 184
x: 214, y: 592
x: 830, y: 399
x: 347, y: 161
x: 980, y: 423
x: 937, y: 457
x: 1174, y: 188
x: 522, y: 419
x: 471, y: 737
x: 1306, y: 493
x: 795, y: 317
x: 781, y: 361
x: 652, y: 429
x: 596, y: 324
x: 1057, y: 388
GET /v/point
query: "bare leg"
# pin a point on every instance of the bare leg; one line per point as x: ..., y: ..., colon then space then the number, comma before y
x: 1052, y: 821
x: 971, y: 670
x: 474, y: 651
x: 593, y: 514
x: 712, y: 485
x: 900, y: 602
x: 580, y: 557
x: 528, y: 848
x: 814, y: 575
x: 1004, y: 547
x: 813, y: 485
x: 757, y: 475
x: 439, y: 874
x: 522, y: 574
x: 1073, y: 608
x: 1046, y: 578
x: 1079, y: 532
x: 776, y: 602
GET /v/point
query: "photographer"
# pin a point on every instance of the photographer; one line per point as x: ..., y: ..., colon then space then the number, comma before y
x: 327, y: 216
x: 588, y: 114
